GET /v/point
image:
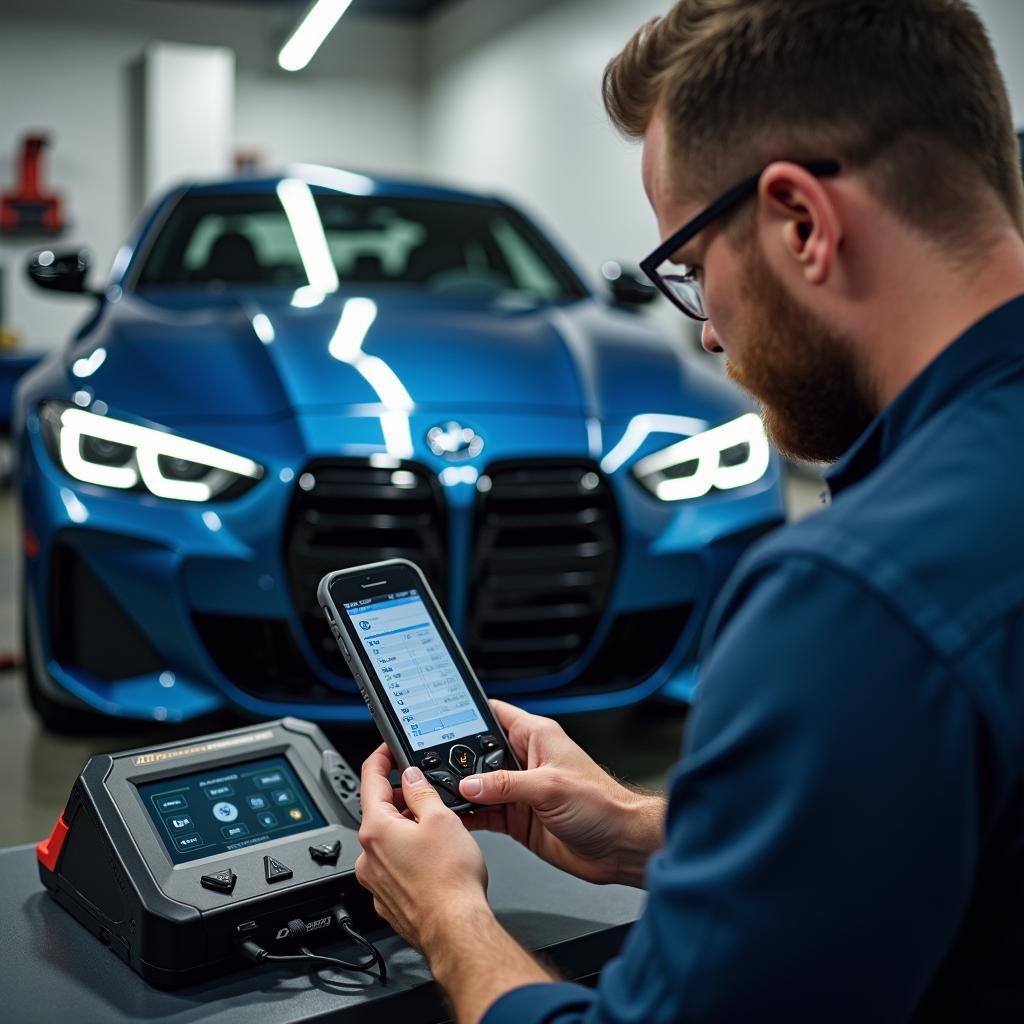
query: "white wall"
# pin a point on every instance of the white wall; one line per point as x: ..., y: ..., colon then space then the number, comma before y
x: 1004, y: 20
x: 64, y: 67
x: 517, y: 107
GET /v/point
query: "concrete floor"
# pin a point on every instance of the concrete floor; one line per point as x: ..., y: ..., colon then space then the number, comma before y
x: 38, y: 768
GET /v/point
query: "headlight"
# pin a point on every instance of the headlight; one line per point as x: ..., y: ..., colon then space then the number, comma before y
x: 112, y: 453
x: 732, y: 455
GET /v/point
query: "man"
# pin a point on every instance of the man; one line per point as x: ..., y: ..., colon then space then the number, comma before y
x: 844, y: 838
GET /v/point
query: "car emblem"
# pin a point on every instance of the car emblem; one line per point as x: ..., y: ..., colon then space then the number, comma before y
x: 454, y: 441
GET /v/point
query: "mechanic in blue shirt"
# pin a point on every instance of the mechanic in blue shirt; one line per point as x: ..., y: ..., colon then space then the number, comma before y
x: 844, y: 836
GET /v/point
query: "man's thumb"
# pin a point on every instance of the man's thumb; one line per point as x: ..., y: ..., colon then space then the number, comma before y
x: 420, y: 796
x: 505, y: 787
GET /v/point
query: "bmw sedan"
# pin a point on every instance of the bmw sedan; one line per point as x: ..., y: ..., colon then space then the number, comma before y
x: 289, y: 375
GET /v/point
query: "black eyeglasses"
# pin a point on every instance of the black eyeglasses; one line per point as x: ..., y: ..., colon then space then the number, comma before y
x: 676, y: 281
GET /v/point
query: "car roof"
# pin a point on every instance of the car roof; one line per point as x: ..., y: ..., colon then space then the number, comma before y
x: 322, y: 178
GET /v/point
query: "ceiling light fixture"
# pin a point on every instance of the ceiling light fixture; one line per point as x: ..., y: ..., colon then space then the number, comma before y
x: 307, y: 38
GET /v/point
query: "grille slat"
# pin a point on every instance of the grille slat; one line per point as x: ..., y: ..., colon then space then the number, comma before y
x: 531, y: 645
x: 545, y: 552
x: 582, y: 551
x: 532, y: 613
x: 370, y: 521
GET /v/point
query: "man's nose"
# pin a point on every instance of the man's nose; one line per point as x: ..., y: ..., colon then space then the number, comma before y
x: 709, y: 339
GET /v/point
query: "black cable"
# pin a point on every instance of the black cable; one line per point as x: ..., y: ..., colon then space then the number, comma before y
x: 251, y: 950
x: 366, y: 967
x: 382, y: 967
x: 344, y: 922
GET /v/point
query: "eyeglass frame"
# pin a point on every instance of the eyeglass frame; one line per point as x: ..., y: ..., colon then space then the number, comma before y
x: 715, y: 209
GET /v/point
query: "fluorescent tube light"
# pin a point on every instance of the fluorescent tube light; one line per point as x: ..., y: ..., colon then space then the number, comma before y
x: 314, y: 28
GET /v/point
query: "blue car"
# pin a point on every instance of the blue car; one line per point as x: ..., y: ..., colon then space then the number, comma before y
x: 289, y: 375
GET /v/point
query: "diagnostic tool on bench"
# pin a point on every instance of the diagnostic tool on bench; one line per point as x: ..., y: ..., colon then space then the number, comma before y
x: 187, y: 857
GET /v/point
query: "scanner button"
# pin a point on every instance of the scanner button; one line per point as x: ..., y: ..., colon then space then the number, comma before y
x: 326, y: 853
x: 171, y: 803
x: 488, y: 742
x: 219, y: 881
x: 225, y: 811
x: 430, y: 760
x: 349, y: 784
x: 462, y: 759
x: 445, y: 782
x: 275, y: 871
x: 492, y: 762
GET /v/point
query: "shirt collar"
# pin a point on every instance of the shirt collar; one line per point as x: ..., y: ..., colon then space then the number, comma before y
x: 994, y: 341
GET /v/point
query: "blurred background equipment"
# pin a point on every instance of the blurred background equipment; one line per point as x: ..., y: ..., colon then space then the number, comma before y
x: 26, y: 208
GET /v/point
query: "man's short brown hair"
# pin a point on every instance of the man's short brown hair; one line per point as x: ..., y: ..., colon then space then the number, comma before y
x: 906, y: 91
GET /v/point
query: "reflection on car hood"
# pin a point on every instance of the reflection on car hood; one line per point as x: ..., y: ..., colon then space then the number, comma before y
x: 192, y: 356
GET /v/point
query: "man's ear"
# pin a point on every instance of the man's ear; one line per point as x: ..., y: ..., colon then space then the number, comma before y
x: 804, y: 224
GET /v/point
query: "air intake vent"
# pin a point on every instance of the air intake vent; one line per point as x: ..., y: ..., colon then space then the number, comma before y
x: 347, y: 513
x: 545, y: 552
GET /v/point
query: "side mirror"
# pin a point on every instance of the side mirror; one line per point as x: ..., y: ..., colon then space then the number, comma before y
x: 627, y: 286
x: 60, y: 271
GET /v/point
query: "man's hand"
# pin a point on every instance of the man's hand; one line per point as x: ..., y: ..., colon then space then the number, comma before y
x: 428, y: 880
x: 564, y: 806
x: 418, y: 860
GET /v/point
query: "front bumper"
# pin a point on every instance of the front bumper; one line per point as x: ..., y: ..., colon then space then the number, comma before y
x: 151, y: 609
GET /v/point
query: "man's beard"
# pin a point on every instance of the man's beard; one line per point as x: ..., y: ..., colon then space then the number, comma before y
x: 813, y: 396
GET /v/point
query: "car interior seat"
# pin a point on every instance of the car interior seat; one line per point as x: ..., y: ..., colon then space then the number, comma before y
x: 368, y: 266
x: 433, y: 258
x: 232, y: 257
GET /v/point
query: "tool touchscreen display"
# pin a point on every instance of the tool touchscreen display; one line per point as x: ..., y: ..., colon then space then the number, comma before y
x: 226, y: 808
x: 421, y: 680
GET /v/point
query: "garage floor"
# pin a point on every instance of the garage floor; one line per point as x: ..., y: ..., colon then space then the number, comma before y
x: 38, y: 769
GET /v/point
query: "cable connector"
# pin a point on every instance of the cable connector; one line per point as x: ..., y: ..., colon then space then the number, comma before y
x: 253, y: 951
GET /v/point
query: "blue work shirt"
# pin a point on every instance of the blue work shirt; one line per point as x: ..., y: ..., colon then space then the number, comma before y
x: 845, y: 831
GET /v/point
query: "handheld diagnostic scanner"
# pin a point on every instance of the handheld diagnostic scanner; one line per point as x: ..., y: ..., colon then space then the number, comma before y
x: 186, y: 857
x: 417, y: 683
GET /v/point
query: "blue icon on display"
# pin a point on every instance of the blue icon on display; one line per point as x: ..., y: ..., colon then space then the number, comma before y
x: 225, y: 811
x: 363, y: 624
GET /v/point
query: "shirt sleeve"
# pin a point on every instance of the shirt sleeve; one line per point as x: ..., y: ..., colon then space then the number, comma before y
x: 822, y: 827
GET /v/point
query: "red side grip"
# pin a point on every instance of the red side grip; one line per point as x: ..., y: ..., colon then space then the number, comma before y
x: 48, y: 851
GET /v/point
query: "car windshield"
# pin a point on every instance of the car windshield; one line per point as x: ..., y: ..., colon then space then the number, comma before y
x: 247, y: 239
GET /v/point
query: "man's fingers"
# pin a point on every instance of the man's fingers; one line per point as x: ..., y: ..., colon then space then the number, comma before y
x: 517, y: 724
x: 534, y: 787
x: 507, y: 713
x: 420, y: 796
x: 376, y: 793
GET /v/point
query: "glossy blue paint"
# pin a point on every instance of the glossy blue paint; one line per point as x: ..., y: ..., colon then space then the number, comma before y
x: 534, y: 380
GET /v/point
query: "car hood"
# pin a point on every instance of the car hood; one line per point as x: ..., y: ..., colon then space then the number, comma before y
x: 193, y: 357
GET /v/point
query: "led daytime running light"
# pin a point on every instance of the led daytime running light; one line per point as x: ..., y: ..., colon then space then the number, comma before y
x: 705, y: 449
x: 149, y: 446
